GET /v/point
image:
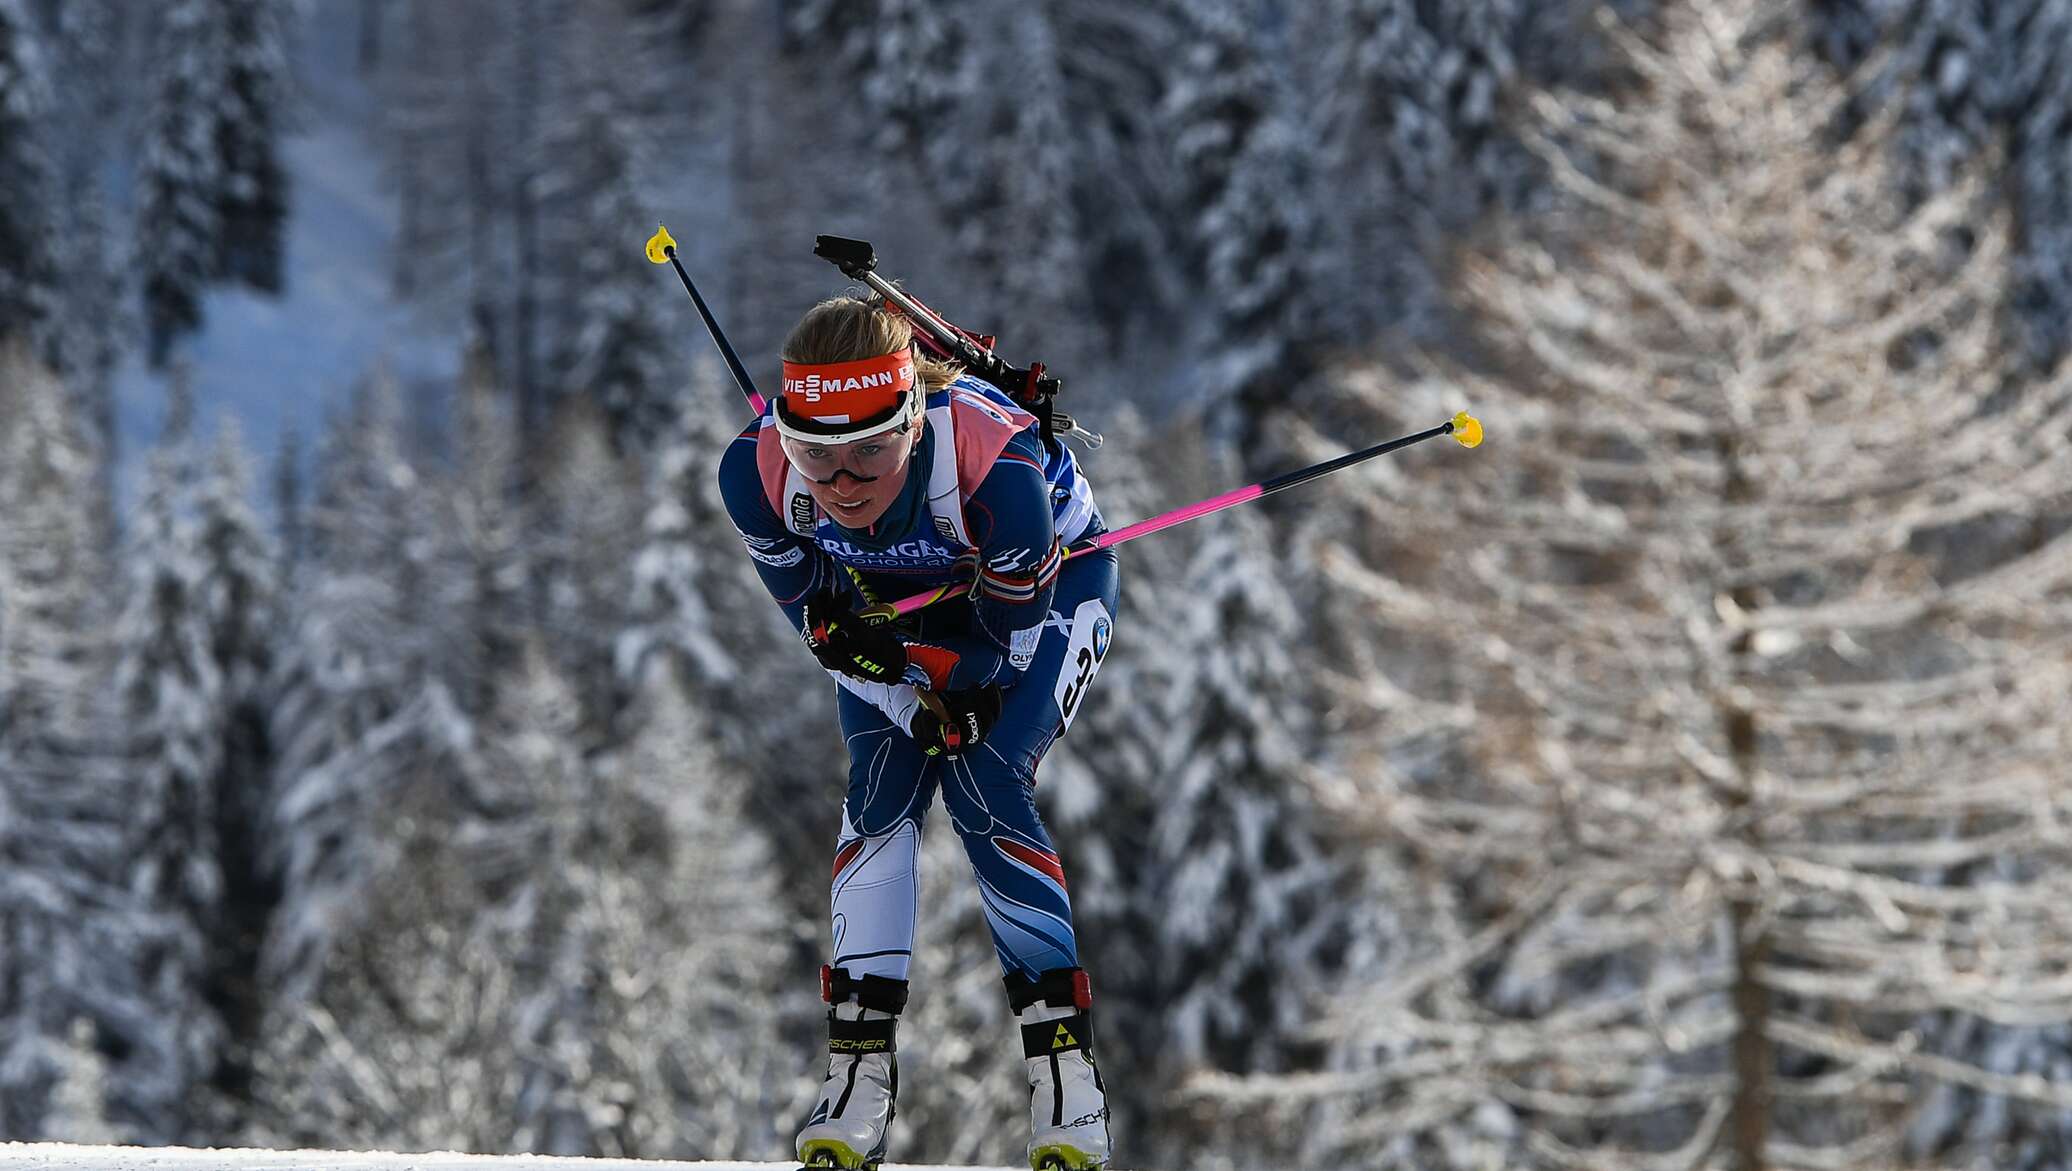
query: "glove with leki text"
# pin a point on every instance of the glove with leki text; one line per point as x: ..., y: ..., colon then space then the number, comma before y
x: 845, y: 641
x: 955, y: 722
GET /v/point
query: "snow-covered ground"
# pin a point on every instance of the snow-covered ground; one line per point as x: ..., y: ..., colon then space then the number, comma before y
x: 66, y: 1157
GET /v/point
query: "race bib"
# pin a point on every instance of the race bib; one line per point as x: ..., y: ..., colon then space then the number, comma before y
x: 1091, y: 630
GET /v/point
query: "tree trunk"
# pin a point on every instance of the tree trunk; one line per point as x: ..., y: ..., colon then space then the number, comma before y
x: 1748, y: 1122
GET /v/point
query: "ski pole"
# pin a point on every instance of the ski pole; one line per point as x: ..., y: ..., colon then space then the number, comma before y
x: 1465, y: 429
x: 859, y: 263
x: 661, y: 249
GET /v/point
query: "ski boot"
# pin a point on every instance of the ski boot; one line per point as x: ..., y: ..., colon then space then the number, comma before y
x: 854, y: 1113
x: 1068, y: 1105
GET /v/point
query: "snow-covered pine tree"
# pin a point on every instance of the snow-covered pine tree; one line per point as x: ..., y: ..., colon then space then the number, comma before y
x: 695, y: 595
x: 1968, y: 76
x: 252, y: 205
x: 1407, y: 109
x: 28, y: 179
x: 79, y: 1107
x: 285, y: 483
x: 1236, y: 846
x: 180, y: 178
x: 534, y: 835
x: 172, y: 696
x: 62, y: 897
x: 52, y: 552
x: 1003, y: 170
x: 2036, y: 87
x: 1247, y: 211
x: 481, y: 575
x: 678, y: 563
x: 713, y: 951
x: 93, y: 312
x: 237, y: 594
x: 358, y: 705
x: 193, y: 649
x: 585, y: 524
x: 238, y: 565
x: 615, y: 347
x: 213, y: 189
x: 1765, y: 563
x: 565, y: 963
x: 1122, y: 180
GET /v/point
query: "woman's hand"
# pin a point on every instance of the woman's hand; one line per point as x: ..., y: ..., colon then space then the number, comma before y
x: 844, y: 641
x: 955, y: 722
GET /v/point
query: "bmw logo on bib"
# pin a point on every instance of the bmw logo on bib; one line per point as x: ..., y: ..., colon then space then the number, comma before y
x: 1100, y: 638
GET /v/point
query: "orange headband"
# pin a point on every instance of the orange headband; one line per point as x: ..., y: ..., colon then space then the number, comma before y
x: 847, y: 392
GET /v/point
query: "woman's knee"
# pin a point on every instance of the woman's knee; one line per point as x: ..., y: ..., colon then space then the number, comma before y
x: 997, y: 793
x: 889, y: 783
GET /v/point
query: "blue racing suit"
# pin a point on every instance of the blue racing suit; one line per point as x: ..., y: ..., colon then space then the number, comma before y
x: 984, y: 495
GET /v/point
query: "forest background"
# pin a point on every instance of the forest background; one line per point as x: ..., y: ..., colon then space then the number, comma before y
x: 1676, y: 781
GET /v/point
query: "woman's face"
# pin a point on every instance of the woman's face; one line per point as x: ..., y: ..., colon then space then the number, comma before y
x: 856, y: 482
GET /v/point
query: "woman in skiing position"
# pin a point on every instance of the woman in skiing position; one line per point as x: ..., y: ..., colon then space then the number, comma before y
x: 876, y: 474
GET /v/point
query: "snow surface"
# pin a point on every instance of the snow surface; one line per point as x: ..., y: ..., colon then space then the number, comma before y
x: 66, y: 1157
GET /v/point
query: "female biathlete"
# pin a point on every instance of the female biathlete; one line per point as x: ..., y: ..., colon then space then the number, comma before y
x: 876, y: 474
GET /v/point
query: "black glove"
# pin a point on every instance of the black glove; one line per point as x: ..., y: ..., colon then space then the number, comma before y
x: 955, y: 722
x: 845, y: 642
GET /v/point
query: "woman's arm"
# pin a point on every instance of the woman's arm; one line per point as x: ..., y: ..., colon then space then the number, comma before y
x: 1009, y: 517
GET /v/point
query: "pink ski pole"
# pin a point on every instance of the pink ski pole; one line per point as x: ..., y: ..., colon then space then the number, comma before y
x: 1464, y: 428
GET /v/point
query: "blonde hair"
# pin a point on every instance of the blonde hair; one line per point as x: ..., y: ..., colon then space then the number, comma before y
x: 846, y: 329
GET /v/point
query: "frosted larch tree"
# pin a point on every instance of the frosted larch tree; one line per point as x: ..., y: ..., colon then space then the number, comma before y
x: 1752, y: 633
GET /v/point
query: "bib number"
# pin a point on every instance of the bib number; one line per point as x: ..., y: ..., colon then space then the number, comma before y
x: 1091, y: 631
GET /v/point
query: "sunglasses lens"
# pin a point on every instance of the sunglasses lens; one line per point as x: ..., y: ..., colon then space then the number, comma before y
x: 865, y: 459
